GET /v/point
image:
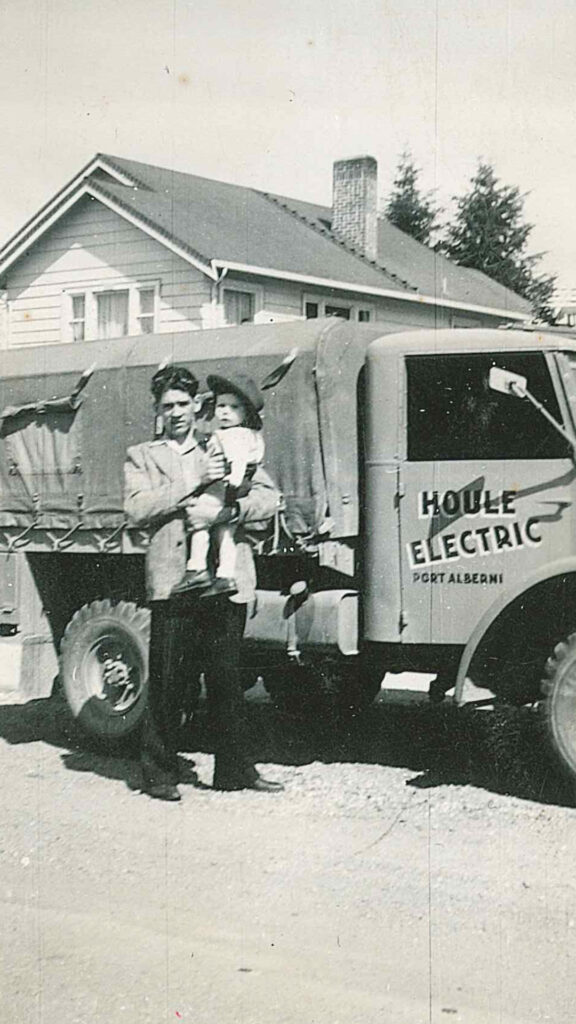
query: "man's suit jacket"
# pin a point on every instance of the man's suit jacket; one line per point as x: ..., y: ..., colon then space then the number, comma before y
x: 155, y: 497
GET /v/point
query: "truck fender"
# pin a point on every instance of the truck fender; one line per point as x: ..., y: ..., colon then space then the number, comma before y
x: 326, y: 619
x: 465, y: 690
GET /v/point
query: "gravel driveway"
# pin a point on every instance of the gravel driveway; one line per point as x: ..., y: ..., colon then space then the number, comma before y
x: 407, y: 875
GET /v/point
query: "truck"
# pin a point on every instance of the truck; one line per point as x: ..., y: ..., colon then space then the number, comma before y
x: 427, y: 520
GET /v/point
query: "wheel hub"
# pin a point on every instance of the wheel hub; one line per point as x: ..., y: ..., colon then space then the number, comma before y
x: 117, y: 684
x: 119, y: 676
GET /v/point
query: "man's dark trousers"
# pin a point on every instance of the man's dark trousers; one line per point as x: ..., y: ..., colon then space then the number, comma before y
x: 190, y: 635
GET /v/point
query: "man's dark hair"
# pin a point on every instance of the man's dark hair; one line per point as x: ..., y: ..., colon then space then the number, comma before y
x: 177, y: 377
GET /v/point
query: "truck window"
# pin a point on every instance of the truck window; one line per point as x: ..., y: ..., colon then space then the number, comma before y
x: 454, y: 415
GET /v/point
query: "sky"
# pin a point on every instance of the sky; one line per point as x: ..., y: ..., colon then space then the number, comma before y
x: 268, y: 94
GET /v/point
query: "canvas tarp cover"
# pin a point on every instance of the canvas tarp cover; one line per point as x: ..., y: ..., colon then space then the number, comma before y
x: 59, y: 465
x: 59, y: 468
x: 43, y: 457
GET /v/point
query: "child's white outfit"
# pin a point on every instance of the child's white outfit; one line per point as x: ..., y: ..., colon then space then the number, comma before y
x: 242, y: 447
x: 243, y: 450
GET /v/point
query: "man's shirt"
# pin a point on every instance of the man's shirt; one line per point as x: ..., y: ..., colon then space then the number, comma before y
x: 187, y: 452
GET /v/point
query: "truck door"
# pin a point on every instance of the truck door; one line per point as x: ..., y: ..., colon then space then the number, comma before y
x: 487, y: 488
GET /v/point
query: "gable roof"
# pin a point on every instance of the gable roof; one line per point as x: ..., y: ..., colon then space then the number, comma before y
x: 240, y: 225
x: 215, y: 225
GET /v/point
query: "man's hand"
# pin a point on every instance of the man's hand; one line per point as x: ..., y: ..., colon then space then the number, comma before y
x: 227, y: 514
x: 216, y: 467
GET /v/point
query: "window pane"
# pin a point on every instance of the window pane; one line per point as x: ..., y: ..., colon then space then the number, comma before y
x: 311, y: 310
x: 78, y: 330
x: 146, y: 324
x: 342, y: 311
x: 78, y: 307
x: 453, y: 414
x: 364, y: 316
x: 146, y: 300
x: 238, y: 306
x: 112, y: 314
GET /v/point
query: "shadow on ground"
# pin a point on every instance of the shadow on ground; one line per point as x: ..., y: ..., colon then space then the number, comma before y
x: 502, y: 751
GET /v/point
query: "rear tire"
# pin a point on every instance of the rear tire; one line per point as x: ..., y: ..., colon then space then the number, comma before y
x: 104, y: 668
x: 559, y: 691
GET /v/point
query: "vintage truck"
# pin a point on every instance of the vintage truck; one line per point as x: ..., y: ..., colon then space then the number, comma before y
x: 428, y: 516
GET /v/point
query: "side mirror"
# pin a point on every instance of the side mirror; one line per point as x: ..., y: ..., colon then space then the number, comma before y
x: 508, y: 383
x: 516, y: 385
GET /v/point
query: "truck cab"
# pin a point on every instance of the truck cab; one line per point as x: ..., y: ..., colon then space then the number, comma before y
x: 470, y: 501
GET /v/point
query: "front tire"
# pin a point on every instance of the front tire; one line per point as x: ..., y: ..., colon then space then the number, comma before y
x: 104, y: 668
x: 559, y: 690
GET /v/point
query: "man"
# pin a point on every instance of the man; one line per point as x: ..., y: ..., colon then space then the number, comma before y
x: 194, y: 632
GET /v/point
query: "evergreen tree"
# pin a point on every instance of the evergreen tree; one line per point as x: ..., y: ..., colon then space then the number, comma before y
x: 407, y: 207
x: 489, y: 234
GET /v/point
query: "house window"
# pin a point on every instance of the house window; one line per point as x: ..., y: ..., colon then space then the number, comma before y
x: 147, y: 303
x: 314, y: 307
x: 238, y: 306
x: 111, y: 312
x: 342, y: 311
x: 78, y: 318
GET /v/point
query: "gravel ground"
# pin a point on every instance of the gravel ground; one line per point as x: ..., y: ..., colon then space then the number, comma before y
x: 416, y: 869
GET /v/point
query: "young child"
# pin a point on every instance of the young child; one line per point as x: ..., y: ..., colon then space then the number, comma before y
x: 237, y: 404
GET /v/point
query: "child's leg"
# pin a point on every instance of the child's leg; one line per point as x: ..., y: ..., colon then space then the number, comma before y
x: 199, y: 544
x: 226, y: 551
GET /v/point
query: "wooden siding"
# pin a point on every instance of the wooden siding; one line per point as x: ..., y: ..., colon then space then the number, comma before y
x: 417, y: 315
x: 411, y: 315
x: 283, y: 298
x: 92, y: 246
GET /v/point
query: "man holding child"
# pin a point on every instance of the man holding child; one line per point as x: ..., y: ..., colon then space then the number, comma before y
x: 200, y: 628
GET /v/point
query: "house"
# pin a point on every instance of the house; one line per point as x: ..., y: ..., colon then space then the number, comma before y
x: 126, y: 248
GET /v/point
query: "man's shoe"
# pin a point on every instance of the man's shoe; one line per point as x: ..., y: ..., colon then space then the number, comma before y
x: 193, y: 579
x: 186, y: 772
x: 258, y: 783
x: 163, y: 791
x: 220, y: 585
x: 266, y: 786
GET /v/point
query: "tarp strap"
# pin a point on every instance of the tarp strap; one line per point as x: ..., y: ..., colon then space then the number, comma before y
x: 282, y: 538
x: 69, y: 403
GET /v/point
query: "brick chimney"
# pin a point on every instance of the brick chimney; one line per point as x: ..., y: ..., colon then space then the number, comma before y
x: 354, y: 202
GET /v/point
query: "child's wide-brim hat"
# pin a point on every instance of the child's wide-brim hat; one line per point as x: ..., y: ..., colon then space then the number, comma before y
x: 241, y: 385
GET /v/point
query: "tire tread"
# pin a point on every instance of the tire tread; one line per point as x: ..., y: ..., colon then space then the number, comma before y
x: 137, y: 622
x: 563, y: 651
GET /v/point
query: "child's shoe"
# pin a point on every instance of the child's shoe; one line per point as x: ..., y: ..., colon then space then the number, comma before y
x: 220, y: 585
x: 193, y: 579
